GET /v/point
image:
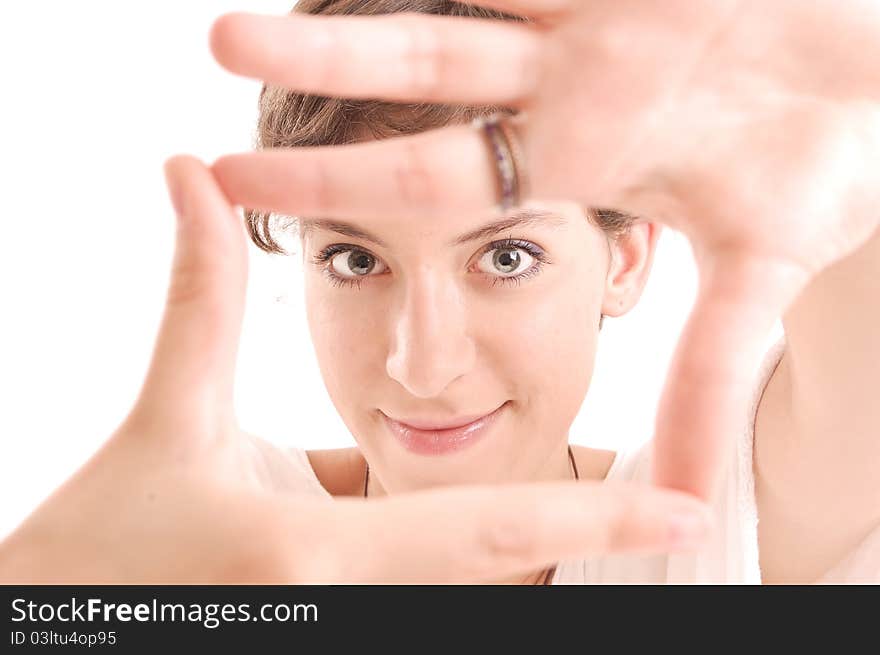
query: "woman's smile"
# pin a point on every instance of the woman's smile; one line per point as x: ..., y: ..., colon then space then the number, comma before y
x: 441, y: 436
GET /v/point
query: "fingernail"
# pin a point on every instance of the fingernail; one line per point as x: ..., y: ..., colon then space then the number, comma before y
x: 689, y: 530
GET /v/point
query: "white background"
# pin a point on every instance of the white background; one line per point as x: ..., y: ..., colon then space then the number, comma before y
x: 96, y: 96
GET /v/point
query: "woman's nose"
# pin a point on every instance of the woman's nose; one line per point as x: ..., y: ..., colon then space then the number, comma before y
x: 430, y: 346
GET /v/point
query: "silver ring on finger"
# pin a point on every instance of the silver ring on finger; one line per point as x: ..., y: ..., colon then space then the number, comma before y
x: 508, y: 158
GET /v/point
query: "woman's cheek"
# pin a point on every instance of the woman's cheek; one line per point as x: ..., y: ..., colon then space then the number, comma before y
x: 561, y: 341
x: 345, y: 331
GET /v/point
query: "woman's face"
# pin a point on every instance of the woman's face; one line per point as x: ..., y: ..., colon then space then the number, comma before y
x: 421, y: 326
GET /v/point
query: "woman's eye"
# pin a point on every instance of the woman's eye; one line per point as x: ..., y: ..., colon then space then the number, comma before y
x: 355, y: 263
x: 505, y: 262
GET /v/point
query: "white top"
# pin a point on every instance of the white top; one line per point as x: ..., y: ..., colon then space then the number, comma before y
x: 731, y: 557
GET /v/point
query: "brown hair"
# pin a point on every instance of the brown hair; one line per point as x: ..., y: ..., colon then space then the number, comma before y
x: 288, y: 119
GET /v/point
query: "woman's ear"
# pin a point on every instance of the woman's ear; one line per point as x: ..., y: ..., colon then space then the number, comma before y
x: 632, y: 255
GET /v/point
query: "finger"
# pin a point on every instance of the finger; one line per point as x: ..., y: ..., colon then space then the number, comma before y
x: 402, y: 57
x: 194, y: 357
x: 477, y: 534
x: 407, y: 176
x: 705, y: 402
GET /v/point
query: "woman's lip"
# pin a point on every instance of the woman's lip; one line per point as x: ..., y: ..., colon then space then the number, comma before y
x: 429, y: 425
x: 436, y: 438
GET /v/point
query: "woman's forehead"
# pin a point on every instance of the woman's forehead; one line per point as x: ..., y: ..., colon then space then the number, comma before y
x: 452, y: 231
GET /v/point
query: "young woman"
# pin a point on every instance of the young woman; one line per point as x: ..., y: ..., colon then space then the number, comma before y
x: 457, y: 343
x: 438, y: 315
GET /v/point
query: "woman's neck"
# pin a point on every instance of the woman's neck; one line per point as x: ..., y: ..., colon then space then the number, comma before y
x: 559, y: 467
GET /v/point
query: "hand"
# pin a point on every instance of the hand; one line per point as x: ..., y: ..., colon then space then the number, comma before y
x: 753, y: 128
x: 178, y: 494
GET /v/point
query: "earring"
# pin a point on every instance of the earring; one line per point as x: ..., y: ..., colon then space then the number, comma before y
x: 601, y: 320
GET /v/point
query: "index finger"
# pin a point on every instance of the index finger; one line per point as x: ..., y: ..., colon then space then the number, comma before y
x: 406, y: 176
x: 477, y: 534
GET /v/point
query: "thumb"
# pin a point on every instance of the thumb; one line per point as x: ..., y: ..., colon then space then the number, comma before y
x: 710, y: 382
x: 193, y: 364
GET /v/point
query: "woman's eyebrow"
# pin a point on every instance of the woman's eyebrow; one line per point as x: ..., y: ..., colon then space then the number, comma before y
x: 306, y: 225
x: 520, y: 218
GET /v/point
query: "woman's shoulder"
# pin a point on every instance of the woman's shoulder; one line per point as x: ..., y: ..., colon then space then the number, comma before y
x: 339, y: 470
x: 629, y: 464
x: 594, y: 463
